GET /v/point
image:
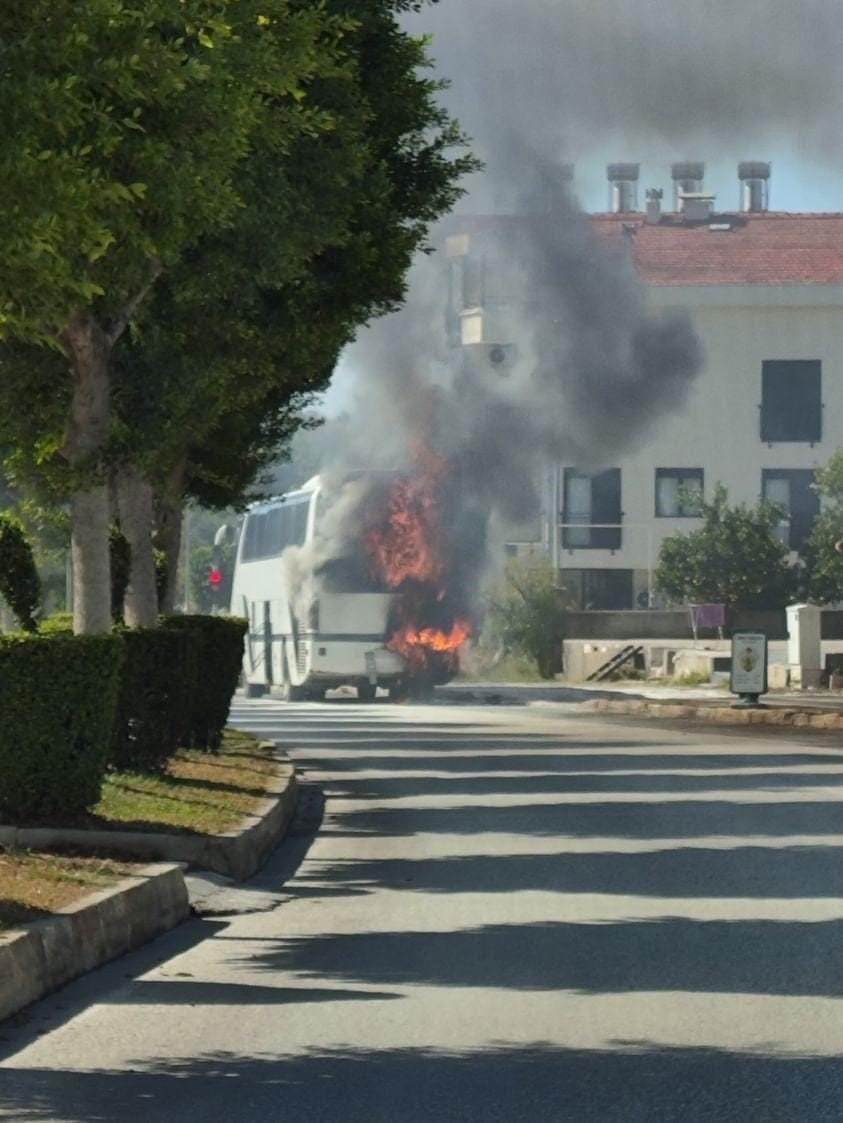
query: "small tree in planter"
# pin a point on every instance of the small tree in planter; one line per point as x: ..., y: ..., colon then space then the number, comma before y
x: 734, y: 559
x: 525, y: 612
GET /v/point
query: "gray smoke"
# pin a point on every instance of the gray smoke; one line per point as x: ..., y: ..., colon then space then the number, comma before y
x: 645, y: 79
x: 536, y: 83
x: 590, y: 372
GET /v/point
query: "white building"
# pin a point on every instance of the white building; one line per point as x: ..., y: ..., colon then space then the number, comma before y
x: 766, y: 293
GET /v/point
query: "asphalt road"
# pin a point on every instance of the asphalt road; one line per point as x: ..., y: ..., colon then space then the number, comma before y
x: 507, y: 914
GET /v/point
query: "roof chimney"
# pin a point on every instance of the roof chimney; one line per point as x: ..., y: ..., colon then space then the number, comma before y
x: 755, y: 186
x: 654, y: 206
x: 623, y: 187
x: 687, y: 180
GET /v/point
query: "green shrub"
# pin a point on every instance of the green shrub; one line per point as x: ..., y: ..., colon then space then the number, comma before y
x: 19, y: 581
x: 59, y: 623
x: 58, y: 696
x: 219, y: 661
x: 525, y: 614
x: 156, y: 691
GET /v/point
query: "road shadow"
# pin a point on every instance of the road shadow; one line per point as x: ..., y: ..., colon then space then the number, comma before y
x: 748, y: 872
x: 676, y: 819
x: 405, y: 787
x: 601, y: 757
x: 671, y: 954
x: 626, y: 1082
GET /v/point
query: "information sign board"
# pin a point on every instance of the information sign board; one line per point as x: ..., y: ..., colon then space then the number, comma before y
x: 749, y: 664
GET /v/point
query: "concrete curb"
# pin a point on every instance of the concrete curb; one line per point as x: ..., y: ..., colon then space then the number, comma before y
x: 716, y: 715
x: 41, y: 956
x: 236, y: 853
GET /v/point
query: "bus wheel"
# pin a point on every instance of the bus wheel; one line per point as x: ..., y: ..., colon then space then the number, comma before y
x: 367, y: 691
x: 255, y: 690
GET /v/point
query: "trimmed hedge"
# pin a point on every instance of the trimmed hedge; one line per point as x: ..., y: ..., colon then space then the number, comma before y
x: 219, y: 663
x: 58, y: 697
x: 156, y: 691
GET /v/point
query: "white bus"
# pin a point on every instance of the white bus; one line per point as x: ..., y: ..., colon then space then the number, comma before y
x: 337, y: 640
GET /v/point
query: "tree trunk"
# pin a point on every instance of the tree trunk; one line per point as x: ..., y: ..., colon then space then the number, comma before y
x: 88, y: 349
x: 89, y: 521
x: 169, y: 512
x: 134, y: 505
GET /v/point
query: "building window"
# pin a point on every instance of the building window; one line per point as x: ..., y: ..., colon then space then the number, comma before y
x: 791, y: 400
x: 592, y: 510
x: 679, y: 492
x: 792, y: 489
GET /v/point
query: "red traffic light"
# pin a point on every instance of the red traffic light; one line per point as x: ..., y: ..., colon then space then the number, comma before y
x: 215, y: 577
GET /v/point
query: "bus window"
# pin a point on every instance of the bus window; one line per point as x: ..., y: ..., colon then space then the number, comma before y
x: 250, y: 538
x: 298, y: 528
x: 267, y: 534
x: 273, y: 542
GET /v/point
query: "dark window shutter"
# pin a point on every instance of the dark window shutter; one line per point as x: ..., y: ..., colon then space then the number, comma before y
x: 791, y: 400
x: 606, y: 508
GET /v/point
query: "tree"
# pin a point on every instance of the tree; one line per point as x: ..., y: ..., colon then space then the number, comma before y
x: 734, y: 559
x: 525, y: 613
x: 246, y: 327
x: 822, y: 561
x: 323, y: 243
x: 130, y: 124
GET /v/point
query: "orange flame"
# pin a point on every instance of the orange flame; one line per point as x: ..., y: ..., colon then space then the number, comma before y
x: 415, y: 643
x: 407, y: 545
x: 407, y: 552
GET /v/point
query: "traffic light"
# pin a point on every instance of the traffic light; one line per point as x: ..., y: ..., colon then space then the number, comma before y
x: 215, y: 582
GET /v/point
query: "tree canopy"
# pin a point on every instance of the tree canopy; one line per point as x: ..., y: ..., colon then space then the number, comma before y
x: 822, y: 560
x: 734, y: 559
x: 238, y: 185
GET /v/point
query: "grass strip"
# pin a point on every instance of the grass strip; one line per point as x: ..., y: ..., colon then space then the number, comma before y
x: 34, y: 885
x: 200, y: 792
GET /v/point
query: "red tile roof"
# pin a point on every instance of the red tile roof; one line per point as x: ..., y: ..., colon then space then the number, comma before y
x: 774, y: 248
x: 756, y: 249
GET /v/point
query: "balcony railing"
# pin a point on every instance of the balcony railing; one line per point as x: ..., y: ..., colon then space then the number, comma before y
x: 591, y: 536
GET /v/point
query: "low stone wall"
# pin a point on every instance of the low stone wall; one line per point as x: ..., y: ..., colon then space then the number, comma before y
x: 717, y: 714
x: 40, y: 957
x: 672, y: 623
x: 236, y: 853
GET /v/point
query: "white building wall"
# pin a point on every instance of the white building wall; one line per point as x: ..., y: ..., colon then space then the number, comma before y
x: 718, y: 430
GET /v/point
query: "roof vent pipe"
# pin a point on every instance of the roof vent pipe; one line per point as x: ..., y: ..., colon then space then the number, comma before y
x: 687, y: 180
x: 755, y: 186
x: 654, y: 206
x: 623, y: 187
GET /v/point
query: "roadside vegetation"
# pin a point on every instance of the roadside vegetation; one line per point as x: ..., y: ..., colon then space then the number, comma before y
x: 196, y: 239
x: 735, y: 558
x: 200, y: 792
x: 522, y: 632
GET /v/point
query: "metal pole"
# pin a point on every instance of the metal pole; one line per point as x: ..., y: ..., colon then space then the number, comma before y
x: 68, y: 580
x: 554, y: 519
x: 186, y: 548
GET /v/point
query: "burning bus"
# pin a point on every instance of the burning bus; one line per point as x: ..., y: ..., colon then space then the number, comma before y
x: 346, y: 582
